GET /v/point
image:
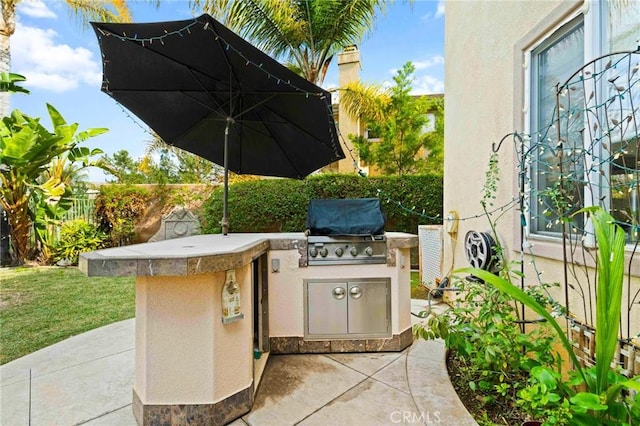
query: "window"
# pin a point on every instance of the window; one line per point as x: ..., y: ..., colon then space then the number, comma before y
x: 553, y: 62
x: 430, y: 125
x: 579, y: 155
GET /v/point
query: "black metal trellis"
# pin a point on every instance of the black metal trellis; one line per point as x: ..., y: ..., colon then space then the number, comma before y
x: 595, y: 127
x: 599, y: 105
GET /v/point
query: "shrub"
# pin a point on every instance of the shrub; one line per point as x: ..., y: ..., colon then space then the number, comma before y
x: 598, y: 395
x: 280, y: 205
x: 117, y: 209
x: 77, y: 236
x: 493, y: 355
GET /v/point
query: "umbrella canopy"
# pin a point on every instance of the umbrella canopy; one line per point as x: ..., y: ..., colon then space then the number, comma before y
x: 204, y: 89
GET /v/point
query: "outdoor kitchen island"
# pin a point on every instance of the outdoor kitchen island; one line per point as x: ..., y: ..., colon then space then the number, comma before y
x: 209, y: 306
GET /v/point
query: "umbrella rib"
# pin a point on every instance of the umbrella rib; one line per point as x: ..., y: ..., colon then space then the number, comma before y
x: 266, y: 124
x: 215, y: 101
x: 221, y: 106
x: 302, y: 129
x: 256, y: 105
x: 232, y: 74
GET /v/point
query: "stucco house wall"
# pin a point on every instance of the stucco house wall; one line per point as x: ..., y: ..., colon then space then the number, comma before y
x: 485, y: 43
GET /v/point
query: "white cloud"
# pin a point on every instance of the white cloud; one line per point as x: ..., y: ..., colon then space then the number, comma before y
x: 36, y: 9
x: 427, y: 84
x: 429, y: 62
x: 440, y: 9
x: 424, y: 64
x: 421, y: 85
x: 51, y: 66
x: 439, y: 13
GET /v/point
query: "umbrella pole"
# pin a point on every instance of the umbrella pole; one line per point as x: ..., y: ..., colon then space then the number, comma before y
x: 225, y: 198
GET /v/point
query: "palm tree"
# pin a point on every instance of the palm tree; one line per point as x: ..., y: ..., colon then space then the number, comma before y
x: 305, y: 33
x: 86, y: 10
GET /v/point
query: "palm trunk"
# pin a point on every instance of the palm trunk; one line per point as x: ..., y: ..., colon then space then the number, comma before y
x: 15, y: 201
x: 7, y: 28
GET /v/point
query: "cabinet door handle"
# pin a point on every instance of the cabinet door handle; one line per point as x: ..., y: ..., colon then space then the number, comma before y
x: 355, y: 292
x: 339, y: 293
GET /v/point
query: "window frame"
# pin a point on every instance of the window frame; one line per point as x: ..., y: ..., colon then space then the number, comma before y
x: 593, y: 16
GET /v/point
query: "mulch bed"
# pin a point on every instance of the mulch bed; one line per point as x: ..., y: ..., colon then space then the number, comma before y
x: 502, y: 411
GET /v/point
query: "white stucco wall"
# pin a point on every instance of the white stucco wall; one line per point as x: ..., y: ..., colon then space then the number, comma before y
x: 480, y: 38
x: 184, y: 354
x: 484, y: 86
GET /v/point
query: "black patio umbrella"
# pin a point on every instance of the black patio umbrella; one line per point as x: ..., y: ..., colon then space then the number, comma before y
x: 206, y: 90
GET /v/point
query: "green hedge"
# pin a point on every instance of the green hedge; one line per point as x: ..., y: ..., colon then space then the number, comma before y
x: 280, y: 205
x: 117, y: 208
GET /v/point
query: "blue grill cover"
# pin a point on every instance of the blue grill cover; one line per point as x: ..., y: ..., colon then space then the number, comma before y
x: 348, y: 216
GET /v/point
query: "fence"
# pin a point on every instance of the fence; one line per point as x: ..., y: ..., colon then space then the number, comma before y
x: 83, y: 208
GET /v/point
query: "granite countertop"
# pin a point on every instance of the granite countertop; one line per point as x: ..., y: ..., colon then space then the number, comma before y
x: 200, y: 254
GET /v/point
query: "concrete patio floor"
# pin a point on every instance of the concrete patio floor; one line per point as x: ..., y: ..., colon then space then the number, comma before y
x: 87, y: 380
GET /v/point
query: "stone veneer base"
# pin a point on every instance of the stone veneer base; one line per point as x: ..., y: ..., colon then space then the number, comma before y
x: 298, y: 345
x: 219, y: 413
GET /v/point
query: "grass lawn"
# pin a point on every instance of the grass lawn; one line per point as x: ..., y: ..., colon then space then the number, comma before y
x: 418, y: 291
x: 40, y: 306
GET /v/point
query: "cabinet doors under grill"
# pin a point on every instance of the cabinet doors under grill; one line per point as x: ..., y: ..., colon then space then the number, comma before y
x: 353, y: 308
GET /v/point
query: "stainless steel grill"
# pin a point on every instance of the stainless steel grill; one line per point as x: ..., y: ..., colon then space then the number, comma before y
x: 346, y: 231
x: 345, y: 250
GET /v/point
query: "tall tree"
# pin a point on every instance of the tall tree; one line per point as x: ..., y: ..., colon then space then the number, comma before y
x: 434, y: 141
x: 189, y: 168
x: 86, y: 10
x: 305, y: 33
x: 398, y: 121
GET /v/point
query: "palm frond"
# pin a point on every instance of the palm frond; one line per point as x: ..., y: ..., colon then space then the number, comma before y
x: 99, y: 10
x: 306, y: 32
x: 364, y: 101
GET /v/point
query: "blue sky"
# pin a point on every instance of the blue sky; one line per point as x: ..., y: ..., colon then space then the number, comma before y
x: 61, y: 61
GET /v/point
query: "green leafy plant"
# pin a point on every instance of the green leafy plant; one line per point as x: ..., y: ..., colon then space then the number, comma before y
x: 543, y: 399
x: 9, y: 83
x: 27, y: 152
x: 78, y: 236
x: 482, y: 331
x: 594, y: 395
x: 117, y: 208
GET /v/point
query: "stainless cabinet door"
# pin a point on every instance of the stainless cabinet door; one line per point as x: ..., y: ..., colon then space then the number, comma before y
x: 327, y: 307
x: 368, y: 306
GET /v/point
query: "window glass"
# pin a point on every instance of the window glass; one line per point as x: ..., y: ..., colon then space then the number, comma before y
x: 592, y: 125
x: 623, y: 25
x: 430, y: 124
x: 554, y: 62
x: 620, y: 118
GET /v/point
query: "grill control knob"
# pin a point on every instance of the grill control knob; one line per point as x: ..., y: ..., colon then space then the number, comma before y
x: 369, y: 251
x: 324, y: 252
x: 313, y: 252
x: 339, y: 251
x: 354, y: 251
